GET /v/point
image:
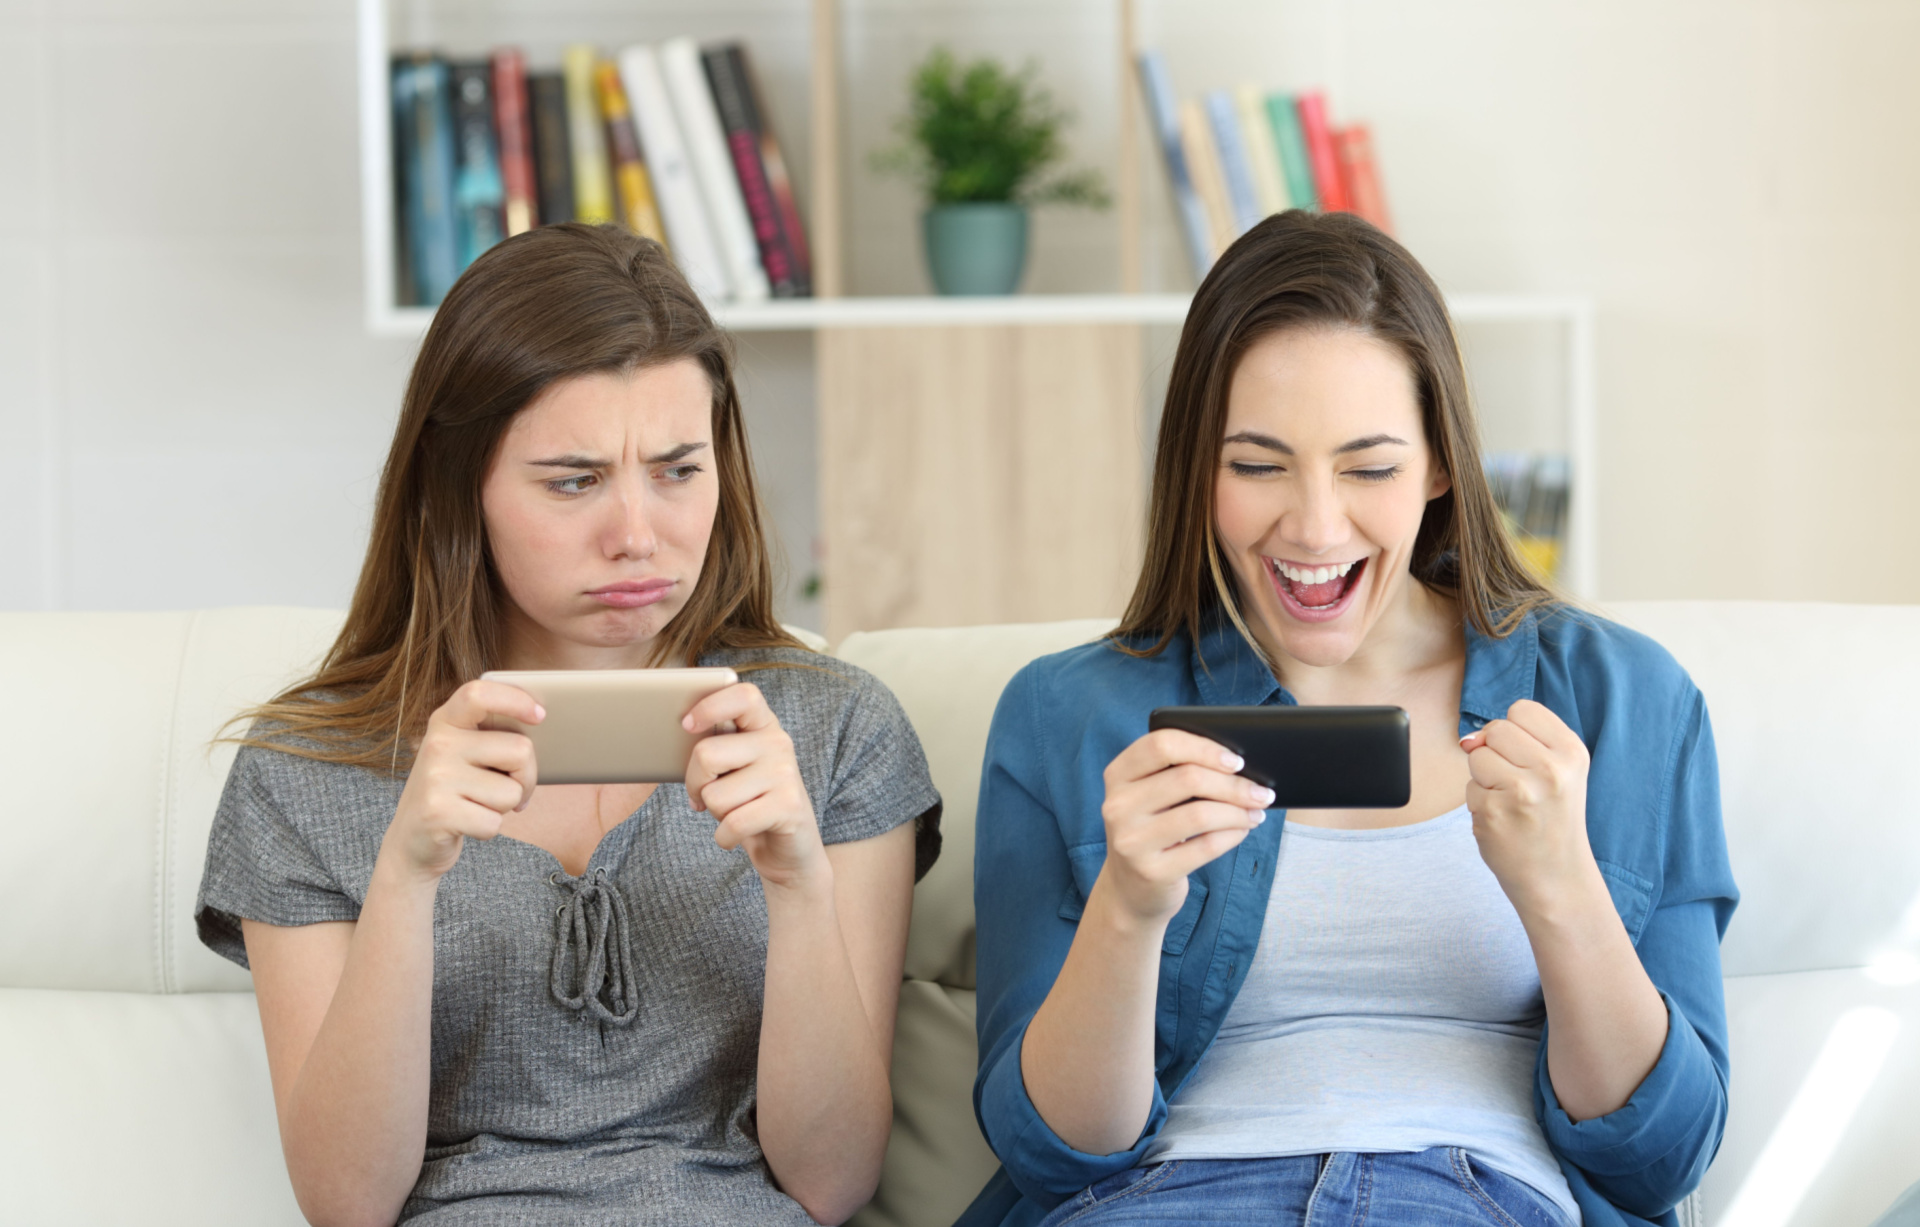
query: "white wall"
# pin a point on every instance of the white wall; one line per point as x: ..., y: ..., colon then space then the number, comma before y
x: 192, y: 414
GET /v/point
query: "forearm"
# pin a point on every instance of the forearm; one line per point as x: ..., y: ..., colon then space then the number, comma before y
x: 825, y: 1105
x: 1606, y: 1023
x: 355, y: 1125
x: 1087, y: 1059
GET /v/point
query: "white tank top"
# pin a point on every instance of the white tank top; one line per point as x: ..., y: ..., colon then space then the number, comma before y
x: 1393, y: 1005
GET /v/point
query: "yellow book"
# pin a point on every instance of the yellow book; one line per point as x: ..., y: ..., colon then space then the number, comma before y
x: 1209, y: 182
x: 637, y: 207
x: 586, y: 139
x: 1262, y: 153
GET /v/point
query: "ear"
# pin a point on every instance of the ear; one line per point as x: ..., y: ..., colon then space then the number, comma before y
x: 1438, y: 484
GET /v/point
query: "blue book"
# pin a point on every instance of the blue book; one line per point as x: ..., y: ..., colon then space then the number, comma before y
x: 424, y: 119
x: 1234, y: 164
x: 479, y: 191
x: 1158, y: 88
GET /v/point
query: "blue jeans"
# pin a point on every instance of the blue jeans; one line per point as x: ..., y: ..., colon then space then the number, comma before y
x: 1441, y: 1187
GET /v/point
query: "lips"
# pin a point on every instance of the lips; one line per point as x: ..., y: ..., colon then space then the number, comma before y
x: 633, y: 593
x: 1315, y: 594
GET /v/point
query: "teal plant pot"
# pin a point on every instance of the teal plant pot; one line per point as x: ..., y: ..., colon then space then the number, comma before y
x: 976, y: 248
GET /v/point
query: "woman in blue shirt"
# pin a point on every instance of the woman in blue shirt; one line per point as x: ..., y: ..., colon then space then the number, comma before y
x: 1500, y: 1004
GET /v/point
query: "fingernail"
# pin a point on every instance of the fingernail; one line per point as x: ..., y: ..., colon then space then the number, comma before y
x: 1232, y: 761
x: 1257, y: 816
x: 539, y: 712
x: 1265, y: 796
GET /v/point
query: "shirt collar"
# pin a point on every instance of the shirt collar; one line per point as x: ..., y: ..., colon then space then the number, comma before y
x: 1500, y: 672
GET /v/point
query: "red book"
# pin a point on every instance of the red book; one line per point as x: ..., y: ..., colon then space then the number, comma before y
x: 1359, y: 174
x: 765, y: 188
x: 1326, y: 166
x: 510, y: 117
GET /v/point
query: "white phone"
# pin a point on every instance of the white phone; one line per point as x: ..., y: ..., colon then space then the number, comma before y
x: 611, y: 726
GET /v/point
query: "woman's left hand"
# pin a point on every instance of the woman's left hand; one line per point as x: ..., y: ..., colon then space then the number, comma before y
x: 1528, y: 796
x: 749, y: 780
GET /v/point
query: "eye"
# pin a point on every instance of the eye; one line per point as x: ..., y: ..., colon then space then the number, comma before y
x: 681, y: 473
x: 1384, y: 473
x: 1248, y: 468
x: 572, y: 485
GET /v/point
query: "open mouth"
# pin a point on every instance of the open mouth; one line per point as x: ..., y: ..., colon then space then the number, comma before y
x: 1315, y: 593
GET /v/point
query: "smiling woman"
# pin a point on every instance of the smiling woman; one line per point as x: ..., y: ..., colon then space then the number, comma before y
x: 1500, y: 1002
x: 489, y: 999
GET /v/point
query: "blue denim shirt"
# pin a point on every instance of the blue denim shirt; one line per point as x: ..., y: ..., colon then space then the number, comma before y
x: 1653, y: 818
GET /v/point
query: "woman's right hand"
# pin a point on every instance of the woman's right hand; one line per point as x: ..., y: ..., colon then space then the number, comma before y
x: 1173, y: 804
x: 465, y: 778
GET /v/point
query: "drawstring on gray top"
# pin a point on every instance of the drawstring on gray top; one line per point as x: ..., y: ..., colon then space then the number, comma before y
x: 593, y: 966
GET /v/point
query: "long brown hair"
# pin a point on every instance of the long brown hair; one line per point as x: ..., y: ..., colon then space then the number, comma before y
x: 1304, y: 270
x: 428, y: 611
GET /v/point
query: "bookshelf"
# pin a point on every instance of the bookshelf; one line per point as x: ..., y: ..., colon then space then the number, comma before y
x: 891, y: 542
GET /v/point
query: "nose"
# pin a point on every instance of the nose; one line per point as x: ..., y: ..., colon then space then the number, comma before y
x: 627, y: 533
x: 1318, y: 522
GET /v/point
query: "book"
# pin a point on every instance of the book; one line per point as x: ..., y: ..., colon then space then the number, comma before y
x: 1531, y: 491
x: 633, y: 186
x: 511, y: 119
x: 1196, y: 138
x: 552, y: 146
x: 1268, y: 182
x: 1291, y: 145
x: 1319, y: 139
x: 424, y: 107
x: 681, y: 210
x: 1235, y: 168
x: 713, y: 167
x: 1354, y: 147
x: 586, y: 139
x: 478, y: 194
x: 764, y: 187
x: 1157, y: 89
x: 400, y: 91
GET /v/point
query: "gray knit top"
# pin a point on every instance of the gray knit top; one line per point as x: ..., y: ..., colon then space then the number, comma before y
x: 594, y: 1038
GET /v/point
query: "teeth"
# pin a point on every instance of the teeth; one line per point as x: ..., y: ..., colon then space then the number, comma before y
x: 1313, y: 575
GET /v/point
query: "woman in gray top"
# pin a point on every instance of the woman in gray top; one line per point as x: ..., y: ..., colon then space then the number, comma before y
x: 644, y: 1004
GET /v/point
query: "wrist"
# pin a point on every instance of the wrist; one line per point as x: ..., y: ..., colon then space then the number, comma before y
x: 1567, y: 904
x: 395, y: 873
x: 806, y: 887
x: 1107, y: 909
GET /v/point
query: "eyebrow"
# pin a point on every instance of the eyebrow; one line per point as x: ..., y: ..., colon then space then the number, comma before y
x: 572, y: 461
x: 1274, y: 445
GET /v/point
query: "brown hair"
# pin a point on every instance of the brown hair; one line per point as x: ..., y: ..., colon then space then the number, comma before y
x: 1304, y: 270
x: 427, y: 614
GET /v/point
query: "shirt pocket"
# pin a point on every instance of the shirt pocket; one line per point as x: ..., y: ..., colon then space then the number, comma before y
x: 1086, y: 861
x: 1632, y: 896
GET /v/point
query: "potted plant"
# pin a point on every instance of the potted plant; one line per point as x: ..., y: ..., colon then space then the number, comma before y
x: 979, y: 140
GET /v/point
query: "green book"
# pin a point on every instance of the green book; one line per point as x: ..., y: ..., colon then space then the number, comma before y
x: 1293, y: 151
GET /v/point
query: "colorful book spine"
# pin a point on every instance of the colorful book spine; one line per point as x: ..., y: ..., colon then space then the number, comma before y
x: 586, y: 139
x: 1234, y: 165
x: 740, y: 119
x: 1291, y: 144
x: 1196, y: 138
x: 1157, y: 87
x: 633, y: 186
x: 682, y: 212
x: 713, y: 167
x: 1361, y: 175
x: 1326, y: 166
x: 552, y: 146
x: 432, y: 239
x: 1268, y: 182
x: 406, y: 293
x: 785, y: 200
x: 478, y: 193
x: 511, y: 120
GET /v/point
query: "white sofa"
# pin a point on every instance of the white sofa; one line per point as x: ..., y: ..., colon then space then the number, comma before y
x: 133, y: 1086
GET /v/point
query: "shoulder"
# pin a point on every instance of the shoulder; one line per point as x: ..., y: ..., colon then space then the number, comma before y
x: 1596, y: 654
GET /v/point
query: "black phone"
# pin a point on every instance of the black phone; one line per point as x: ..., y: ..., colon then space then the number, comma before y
x: 1312, y: 757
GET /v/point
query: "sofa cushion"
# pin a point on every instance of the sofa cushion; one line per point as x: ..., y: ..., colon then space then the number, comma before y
x: 131, y: 1107
x: 106, y: 831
